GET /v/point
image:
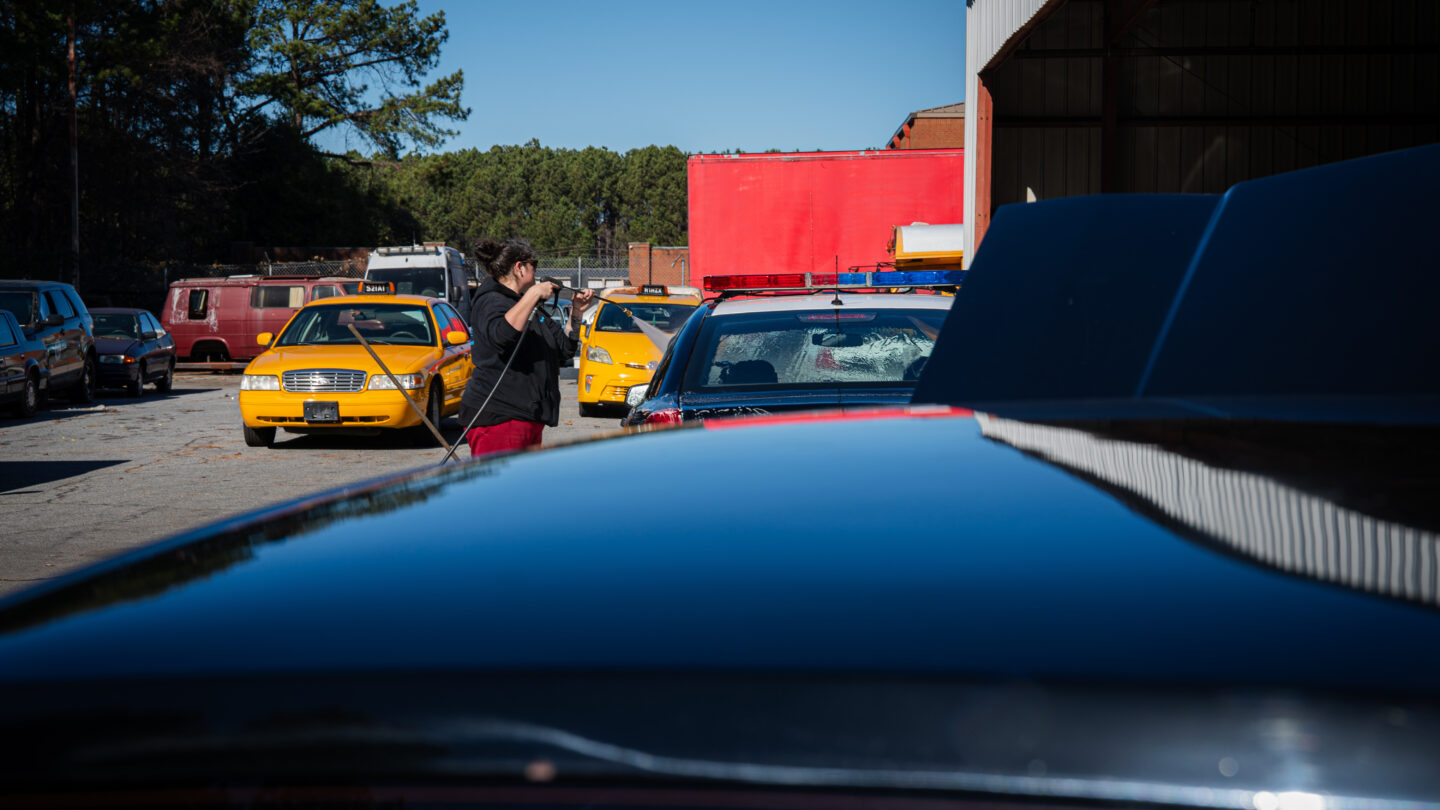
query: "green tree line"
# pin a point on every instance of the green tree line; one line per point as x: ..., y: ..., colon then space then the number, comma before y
x: 195, y: 128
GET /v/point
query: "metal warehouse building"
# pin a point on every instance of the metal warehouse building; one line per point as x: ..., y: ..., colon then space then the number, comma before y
x: 1070, y: 97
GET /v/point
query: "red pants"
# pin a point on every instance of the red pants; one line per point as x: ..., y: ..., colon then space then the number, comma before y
x: 515, y: 434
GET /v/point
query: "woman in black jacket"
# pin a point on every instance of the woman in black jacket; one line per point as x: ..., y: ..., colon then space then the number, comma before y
x: 527, y: 397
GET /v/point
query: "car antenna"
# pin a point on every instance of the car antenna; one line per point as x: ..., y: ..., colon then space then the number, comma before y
x: 836, y: 302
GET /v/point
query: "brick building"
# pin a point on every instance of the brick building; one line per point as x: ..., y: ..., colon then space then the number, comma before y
x: 657, y: 264
x: 935, y: 128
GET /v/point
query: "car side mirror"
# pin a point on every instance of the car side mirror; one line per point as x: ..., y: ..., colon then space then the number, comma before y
x: 149, y: 336
x: 455, y: 337
x: 264, y: 338
x: 54, y: 319
x: 585, y: 332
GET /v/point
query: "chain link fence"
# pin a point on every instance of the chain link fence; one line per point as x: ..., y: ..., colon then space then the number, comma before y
x: 593, y: 270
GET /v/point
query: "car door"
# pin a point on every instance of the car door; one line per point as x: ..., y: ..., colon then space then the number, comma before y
x: 64, y: 367
x: 152, y: 346
x: 71, y: 333
x: 12, y: 357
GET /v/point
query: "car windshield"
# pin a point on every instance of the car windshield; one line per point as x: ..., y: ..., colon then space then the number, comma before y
x: 665, y: 317
x: 850, y: 347
x: 116, y: 325
x: 427, y: 281
x: 21, y: 305
x: 386, y: 324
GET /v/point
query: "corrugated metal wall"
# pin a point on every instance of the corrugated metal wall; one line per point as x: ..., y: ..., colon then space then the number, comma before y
x: 1209, y: 92
x: 989, y: 24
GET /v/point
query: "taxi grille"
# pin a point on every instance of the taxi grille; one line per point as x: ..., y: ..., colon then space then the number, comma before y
x: 323, y: 380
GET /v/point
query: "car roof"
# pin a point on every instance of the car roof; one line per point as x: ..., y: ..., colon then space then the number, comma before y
x: 824, y: 302
x: 399, y: 298
x: 636, y: 298
x: 116, y: 310
x: 25, y: 283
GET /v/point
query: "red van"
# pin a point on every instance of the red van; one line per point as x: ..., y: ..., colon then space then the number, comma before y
x: 218, y: 319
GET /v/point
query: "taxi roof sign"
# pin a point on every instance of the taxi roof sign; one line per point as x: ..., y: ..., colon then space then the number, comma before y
x: 653, y: 289
x: 377, y: 288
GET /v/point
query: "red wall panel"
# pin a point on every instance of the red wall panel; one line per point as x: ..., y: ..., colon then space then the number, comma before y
x: 809, y: 211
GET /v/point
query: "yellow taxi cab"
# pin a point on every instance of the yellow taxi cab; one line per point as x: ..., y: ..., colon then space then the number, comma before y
x: 615, y: 353
x: 316, y: 377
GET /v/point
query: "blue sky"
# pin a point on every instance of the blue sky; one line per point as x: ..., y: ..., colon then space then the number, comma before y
x: 704, y: 77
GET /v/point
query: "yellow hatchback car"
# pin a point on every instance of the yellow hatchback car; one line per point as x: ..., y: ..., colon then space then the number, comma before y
x: 317, y: 378
x: 615, y: 353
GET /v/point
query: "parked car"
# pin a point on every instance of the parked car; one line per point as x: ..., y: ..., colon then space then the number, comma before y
x: 218, y: 319
x: 134, y: 350
x: 614, y: 353
x: 1216, y: 591
x: 316, y: 377
x: 52, y: 313
x: 22, y: 366
x: 805, y: 343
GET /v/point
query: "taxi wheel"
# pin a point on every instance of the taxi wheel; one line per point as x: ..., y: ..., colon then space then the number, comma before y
x: 259, y: 437
x: 435, y: 412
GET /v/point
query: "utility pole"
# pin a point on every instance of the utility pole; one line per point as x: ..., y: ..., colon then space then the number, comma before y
x: 74, y: 162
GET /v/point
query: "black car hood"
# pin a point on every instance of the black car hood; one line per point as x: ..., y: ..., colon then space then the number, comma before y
x: 107, y: 345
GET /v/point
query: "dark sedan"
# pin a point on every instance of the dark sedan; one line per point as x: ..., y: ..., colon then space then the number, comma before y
x: 134, y: 350
x: 1204, y: 575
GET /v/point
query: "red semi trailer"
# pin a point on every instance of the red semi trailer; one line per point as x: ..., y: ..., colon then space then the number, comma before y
x: 814, y: 211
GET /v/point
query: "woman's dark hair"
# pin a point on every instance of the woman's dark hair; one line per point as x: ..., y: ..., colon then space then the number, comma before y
x: 499, y: 257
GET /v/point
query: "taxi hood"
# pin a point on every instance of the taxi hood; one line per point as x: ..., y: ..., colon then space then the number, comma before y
x: 288, y: 358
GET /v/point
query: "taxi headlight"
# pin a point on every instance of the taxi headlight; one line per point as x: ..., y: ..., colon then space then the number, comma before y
x: 259, y: 382
x: 595, y: 354
x: 380, y: 382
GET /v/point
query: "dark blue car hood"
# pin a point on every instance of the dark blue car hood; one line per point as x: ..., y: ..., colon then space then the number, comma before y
x: 105, y: 345
x: 904, y: 545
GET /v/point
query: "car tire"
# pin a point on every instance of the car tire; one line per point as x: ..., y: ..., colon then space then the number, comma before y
x: 166, y: 382
x: 83, y: 392
x: 29, y: 399
x: 435, y: 411
x: 259, y: 437
x: 136, y: 387
x: 590, y: 409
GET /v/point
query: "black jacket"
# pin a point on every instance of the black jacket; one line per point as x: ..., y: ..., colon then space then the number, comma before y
x: 531, y: 388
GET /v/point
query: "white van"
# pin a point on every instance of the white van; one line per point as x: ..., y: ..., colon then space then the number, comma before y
x: 431, y: 269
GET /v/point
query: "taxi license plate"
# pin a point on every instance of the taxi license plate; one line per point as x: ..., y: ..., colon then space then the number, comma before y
x: 322, y: 412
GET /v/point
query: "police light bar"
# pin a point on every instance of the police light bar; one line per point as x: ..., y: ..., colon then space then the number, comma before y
x: 377, y: 288
x: 831, y: 281
x: 653, y: 289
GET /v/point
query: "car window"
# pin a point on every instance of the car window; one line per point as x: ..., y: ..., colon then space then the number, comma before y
x: 59, y: 303
x: 199, y: 305
x: 75, y: 301
x: 116, y: 325
x: 666, y: 317
x: 427, y: 281
x: 19, y: 303
x: 277, y: 297
x: 452, y: 320
x: 149, y: 324
x: 383, y: 324
x: 861, y: 347
x: 323, y: 291
x: 8, y: 337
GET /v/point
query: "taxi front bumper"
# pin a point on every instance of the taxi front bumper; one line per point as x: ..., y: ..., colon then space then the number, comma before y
x: 365, y: 409
x: 609, y: 383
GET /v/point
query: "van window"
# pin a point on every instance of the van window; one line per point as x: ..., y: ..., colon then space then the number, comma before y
x: 199, y: 304
x: 277, y: 297
x: 59, y: 303
x: 323, y: 291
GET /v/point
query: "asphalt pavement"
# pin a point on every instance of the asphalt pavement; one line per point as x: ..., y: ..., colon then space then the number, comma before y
x: 80, y: 484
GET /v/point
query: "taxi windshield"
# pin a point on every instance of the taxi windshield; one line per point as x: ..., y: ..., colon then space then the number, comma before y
x: 666, y: 317
x: 854, y: 347
x: 384, y: 324
x: 116, y: 325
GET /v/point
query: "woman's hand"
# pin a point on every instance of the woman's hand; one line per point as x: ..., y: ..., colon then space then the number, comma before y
x: 543, y: 289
